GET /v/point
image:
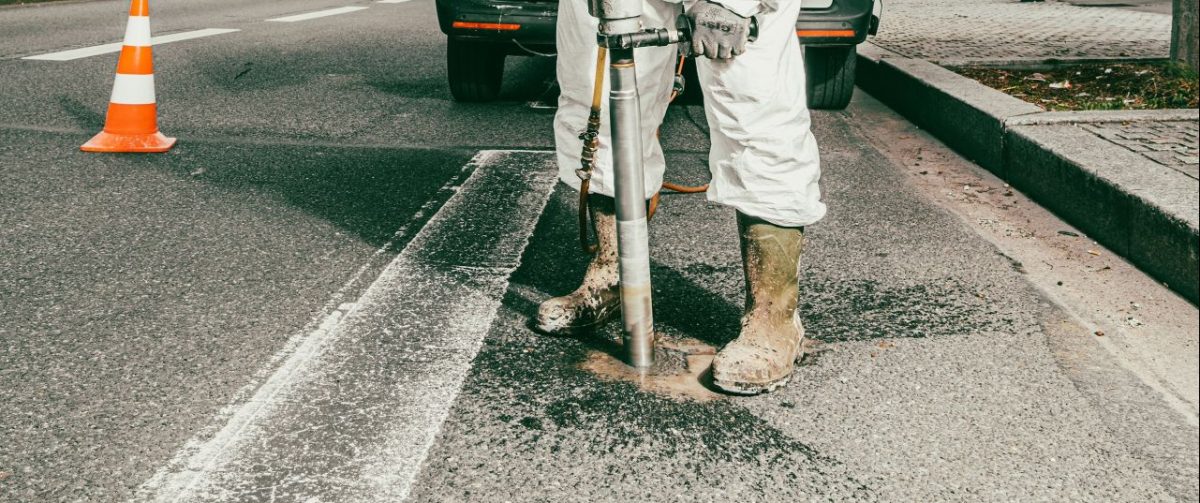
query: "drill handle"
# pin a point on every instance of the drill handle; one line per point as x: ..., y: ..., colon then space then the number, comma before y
x: 681, y: 34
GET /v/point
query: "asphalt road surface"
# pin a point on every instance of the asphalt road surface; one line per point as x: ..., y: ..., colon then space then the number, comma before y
x: 322, y: 294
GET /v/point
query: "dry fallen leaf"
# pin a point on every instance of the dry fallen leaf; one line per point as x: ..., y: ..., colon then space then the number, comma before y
x: 1099, y: 333
x: 1094, y: 252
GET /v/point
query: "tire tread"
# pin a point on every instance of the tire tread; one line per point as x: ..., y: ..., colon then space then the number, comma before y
x: 475, y: 71
x: 830, y: 76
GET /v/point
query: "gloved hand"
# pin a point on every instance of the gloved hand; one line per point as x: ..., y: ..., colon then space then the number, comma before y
x: 717, y: 33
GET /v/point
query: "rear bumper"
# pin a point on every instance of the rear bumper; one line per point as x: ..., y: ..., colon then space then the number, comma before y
x: 530, y: 23
x: 846, y: 22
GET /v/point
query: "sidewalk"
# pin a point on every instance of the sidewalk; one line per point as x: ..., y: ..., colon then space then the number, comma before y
x: 1170, y: 143
x: 1004, y: 30
x: 1127, y: 178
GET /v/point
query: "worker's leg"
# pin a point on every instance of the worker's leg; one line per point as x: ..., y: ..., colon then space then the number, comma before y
x: 597, y: 297
x: 765, y: 164
x: 764, y: 158
x: 576, y: 78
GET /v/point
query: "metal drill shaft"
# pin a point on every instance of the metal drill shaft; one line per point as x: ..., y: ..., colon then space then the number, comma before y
x: 633, y: 240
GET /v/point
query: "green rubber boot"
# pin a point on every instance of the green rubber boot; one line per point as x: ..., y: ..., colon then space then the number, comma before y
x: 763, y: 356
x: 598, y: 297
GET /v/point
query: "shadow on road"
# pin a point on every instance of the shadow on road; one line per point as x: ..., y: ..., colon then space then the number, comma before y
x: 368, y: 192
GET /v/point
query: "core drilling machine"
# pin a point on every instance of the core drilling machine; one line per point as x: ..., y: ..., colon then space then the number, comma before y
x: 620, y: 32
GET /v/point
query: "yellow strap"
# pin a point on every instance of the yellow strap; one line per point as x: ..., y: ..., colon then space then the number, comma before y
x: 597, y: 90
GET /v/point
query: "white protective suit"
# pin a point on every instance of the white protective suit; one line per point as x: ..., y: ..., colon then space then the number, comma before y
x: 764, y: 158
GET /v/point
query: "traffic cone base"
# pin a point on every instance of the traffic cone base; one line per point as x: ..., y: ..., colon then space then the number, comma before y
x: 132, y: 121
x: 140, y: 143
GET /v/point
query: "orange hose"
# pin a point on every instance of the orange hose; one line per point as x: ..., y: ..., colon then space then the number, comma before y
x: 685, y: 189
x: 678, y: 72
x: 674, y: 187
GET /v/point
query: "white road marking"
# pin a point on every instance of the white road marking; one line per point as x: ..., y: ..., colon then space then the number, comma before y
x: 202, y: 448
x: 315, y: 15
x: 97, y: 50
x: 393, y: 1
x: 395, y: 358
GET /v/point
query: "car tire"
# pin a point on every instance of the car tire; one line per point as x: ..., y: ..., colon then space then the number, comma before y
x: 475, y: 70
x: 830, y: 75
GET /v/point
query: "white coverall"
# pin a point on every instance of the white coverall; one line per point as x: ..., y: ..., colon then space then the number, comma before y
x: 764, y: 159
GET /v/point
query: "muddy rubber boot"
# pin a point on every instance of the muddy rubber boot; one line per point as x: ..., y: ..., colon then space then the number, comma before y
x: 598, y: 298
x: 763, y: 356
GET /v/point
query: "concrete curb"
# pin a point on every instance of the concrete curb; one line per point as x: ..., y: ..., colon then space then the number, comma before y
x: 1038, y: 63
x: 1103, y: 116
x: 1140, y: 209
x: 964, y: 114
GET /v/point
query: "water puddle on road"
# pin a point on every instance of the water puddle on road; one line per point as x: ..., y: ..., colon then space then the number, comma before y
x: 681, y: 370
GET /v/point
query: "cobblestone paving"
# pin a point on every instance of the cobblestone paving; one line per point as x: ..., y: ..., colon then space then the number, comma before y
x: 1009, y: 29
x: 1172, y: 144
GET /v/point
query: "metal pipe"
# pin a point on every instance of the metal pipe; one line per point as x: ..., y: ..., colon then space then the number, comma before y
x: 633, y: 240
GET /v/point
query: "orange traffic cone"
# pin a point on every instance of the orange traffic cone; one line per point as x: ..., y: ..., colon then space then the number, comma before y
x: 132, y: 123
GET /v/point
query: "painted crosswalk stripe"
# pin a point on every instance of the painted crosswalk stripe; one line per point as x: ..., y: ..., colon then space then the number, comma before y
x: 315, y: 15
x: 352, y: 412
x: 97, y: 50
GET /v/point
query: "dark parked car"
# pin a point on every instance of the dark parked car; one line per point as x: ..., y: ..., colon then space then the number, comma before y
x: 481, y: 33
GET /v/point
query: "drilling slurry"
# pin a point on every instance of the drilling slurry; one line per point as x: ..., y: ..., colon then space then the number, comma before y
x: 681, y: 370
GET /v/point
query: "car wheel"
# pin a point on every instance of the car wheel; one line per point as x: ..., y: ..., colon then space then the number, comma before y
x: 474, y: 69
x: 830, y: 75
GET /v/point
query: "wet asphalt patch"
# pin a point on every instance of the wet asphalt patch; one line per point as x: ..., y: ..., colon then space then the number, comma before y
x: 532, y: 416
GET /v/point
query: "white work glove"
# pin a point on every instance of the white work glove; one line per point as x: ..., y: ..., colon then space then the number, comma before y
x: 717, y: 32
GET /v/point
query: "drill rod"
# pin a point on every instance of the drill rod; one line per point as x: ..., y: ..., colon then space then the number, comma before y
x: 633, y: 240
